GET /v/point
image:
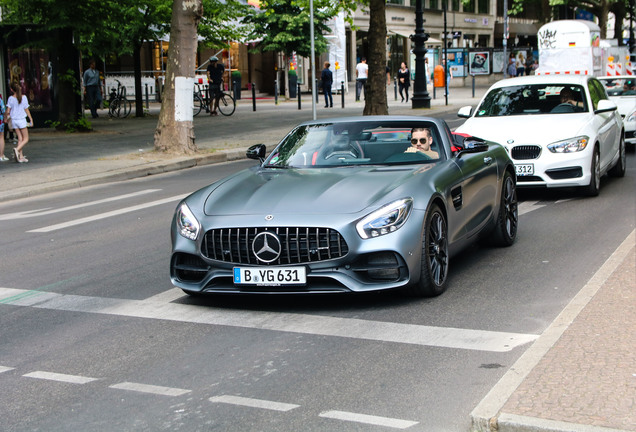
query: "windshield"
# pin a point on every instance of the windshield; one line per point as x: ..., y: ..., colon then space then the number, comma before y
x: 533, y: 99
x: 358, y: 143
x: 620, y: 86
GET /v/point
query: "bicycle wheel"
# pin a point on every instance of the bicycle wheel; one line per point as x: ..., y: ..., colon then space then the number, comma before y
x: 126, y: 108
x: 198, y: 104
x: 114, y: 108
x: 227, y: 104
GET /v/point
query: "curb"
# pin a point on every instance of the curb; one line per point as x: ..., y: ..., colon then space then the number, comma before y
x: 487, y: 416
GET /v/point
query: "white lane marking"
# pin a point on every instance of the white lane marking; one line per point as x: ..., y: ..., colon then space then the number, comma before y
x: 166, y: 296
x: 446, y: 337
x: 107, y: 214
x: 528, y: 206
x: 253, y: 403
x: 48, y: 210
x: 368, y: 419
x: 5, y: 369
x: 52, y: 376
x: 147, y: 388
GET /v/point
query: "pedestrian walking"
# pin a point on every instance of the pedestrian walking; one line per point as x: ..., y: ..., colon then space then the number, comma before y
x: 92, y: 88
x: 362, y: 73
x: 512, y: 67
x: 529, y: 63
x: 3, y: 108
x: 404, y: 81
x: 448, y: 76
x: 17, y: 112
x: 326, y: 77
x: 520, y: 63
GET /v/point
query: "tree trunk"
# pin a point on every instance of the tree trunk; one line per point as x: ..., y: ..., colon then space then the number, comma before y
x: 139, y: 97
x: 175, y: 131
x: 69, y: 86
x: 375, y: 92
x: 602, y: 18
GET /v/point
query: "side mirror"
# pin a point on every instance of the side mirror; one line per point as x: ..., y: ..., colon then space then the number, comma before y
x: 465, y: 112
x: 605, y: 105
x: 473, y: 146
x: 257, y: 151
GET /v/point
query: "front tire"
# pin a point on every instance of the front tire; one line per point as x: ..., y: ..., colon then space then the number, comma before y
x: 227, y: 105
x: 434, y: 265
x: 505, y: 232
x: 618, y: 170
x: 595, y: 171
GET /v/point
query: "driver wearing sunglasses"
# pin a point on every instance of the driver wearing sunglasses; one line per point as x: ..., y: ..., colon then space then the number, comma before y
x: 421, y: 142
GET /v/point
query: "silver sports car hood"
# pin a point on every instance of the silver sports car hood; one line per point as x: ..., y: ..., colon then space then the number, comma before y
x: 307, y: 191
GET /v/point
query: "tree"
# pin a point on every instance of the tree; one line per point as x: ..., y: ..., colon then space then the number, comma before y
x: 68, y: 20
x: 175, y: 131
x: 375, y: 102
x: 284, y: 25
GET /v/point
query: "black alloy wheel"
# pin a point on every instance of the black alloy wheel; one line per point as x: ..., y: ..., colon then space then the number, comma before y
x: 505, y: 232
x: 434, y: 265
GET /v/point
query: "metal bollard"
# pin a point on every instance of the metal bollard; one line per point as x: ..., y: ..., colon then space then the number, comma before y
x: 253, y: 96
x: 434, y: 89
x: 298, y: 93
x: 473, y: 85
x: 342, y: 92
x: 276, y: 92
x: 317, y: 91
x: 395, y: 86
x: 147, y: 101
x: 206, y: 90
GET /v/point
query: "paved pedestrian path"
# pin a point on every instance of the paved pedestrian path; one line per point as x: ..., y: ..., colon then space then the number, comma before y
x: 580, y: 375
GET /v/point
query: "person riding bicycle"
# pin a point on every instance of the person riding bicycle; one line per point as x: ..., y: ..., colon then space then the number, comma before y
x: 215, y: 78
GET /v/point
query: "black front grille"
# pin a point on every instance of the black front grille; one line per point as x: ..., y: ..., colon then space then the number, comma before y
x: 525, y: 152
x: 299, y: 245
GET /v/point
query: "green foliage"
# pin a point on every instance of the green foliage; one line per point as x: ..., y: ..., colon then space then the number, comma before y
x: 284, y: 25
x: 70, y: 77
x: 80, y: 125
x: 221, y: 24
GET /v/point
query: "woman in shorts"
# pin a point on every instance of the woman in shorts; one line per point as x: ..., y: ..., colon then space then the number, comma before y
x: 18, y: 111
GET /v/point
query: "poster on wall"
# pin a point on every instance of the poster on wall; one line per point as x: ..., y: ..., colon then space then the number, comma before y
x: 498, y: 62
x: 479, y: 63
x: 456, y: 61
x: 31, y: 68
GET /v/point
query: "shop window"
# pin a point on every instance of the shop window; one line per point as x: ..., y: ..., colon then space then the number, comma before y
x: 32, y: 69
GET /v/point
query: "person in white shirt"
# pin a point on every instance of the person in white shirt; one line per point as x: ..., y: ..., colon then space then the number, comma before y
x: 18, y: 111
x: 362, y: 73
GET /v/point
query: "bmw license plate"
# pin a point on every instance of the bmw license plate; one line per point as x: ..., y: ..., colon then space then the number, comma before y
x: 274, y: 276
x: 525, y: 169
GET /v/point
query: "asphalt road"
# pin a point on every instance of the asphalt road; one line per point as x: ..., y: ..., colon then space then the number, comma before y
x: 116, y: 348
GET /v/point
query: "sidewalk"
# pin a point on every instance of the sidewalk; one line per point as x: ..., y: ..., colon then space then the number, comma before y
x: 580, y: 374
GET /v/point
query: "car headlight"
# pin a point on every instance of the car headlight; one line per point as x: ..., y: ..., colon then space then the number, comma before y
x: 569, y: 145
x: 631, y: 117
x: 187, y: 224
x: 386, y: 219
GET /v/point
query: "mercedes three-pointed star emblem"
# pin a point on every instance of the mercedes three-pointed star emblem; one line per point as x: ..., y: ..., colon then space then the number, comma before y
x: 266, y: 247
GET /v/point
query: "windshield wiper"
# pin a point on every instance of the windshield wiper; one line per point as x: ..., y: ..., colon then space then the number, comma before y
x: 276, y: 166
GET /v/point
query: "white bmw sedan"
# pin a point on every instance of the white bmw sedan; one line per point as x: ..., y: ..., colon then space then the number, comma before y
x: 622, y: 90
x: 560, y: 130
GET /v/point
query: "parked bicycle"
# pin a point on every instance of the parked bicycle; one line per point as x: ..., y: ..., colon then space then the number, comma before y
x: 118, y: 105
x: 227, y: 104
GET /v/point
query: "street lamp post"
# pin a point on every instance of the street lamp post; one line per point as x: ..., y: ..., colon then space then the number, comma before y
x: 421, y: 98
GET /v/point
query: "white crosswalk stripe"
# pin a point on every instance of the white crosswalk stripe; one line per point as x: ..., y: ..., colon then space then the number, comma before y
x: 445, y: 337
x: 52, y: 376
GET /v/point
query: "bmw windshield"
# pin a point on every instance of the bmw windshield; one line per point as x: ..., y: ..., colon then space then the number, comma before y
x: 532, y: 99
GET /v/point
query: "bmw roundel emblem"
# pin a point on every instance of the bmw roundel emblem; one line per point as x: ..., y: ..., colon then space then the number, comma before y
x: 510, y: 141
x: 266, y: 247
x: 269, y: 217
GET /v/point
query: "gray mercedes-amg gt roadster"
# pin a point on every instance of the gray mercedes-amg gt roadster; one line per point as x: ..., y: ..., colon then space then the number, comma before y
x: 346, y: 205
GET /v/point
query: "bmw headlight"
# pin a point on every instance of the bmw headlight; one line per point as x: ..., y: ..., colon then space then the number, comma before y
x: 569, y: 145
x: 386, y: 219
x: 631, y: 117
x: 187, y: 224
